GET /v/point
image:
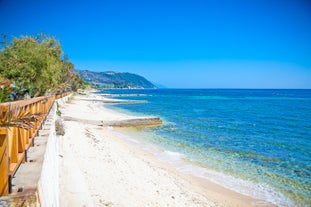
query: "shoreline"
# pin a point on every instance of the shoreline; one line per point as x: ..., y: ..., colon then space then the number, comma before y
x: 140, y: 178
x: 217, y: 193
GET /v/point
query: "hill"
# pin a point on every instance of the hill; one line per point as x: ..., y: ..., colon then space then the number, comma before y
x: 112, y: 79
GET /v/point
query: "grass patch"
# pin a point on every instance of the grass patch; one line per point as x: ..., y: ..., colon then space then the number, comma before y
x: 58, y: 112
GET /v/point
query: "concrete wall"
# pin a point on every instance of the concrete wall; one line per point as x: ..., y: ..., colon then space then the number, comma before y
x: 48, y: 185
x: 48, y: 182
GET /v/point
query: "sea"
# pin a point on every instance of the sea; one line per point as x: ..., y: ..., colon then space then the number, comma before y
x: 256, y: 142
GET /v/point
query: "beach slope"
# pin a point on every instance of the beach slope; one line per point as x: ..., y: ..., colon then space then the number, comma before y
x: 114, y: 173
x: 100, y: 168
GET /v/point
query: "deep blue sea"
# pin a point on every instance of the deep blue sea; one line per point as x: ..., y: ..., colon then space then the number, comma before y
x: 257, y: 142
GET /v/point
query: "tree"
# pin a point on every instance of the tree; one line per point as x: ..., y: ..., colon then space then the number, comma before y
x: 36, y: 66
x: 4, y: 89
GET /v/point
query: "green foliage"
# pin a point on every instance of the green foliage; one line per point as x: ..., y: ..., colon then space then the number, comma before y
x: 4, y: 94
x: 58, y: 112
x: 4, y: 89
x: 37, y: 66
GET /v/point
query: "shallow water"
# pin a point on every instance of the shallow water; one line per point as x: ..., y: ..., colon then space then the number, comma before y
x: 257, y: 141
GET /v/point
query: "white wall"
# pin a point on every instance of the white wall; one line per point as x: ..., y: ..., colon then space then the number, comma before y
x: 48, y: 185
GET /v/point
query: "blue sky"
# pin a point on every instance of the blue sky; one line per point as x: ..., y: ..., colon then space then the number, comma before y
x: 180, y: 44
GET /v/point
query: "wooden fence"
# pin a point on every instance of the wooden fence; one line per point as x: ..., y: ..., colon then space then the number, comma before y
x: 19, y: 124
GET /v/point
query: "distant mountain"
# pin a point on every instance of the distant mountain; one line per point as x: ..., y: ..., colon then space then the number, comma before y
x: 159, y: 85
x: 112, y: 79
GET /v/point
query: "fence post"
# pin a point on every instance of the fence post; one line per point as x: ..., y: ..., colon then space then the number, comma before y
x: 4, y: 162
x: 13, y: 145
x: 21, y: 141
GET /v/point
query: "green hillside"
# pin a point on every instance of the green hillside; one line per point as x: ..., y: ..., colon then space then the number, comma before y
x: 111, y: 79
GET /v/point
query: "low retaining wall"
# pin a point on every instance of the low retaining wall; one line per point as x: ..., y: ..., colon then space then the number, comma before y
x: 48, y: 185
x: 48, y: 182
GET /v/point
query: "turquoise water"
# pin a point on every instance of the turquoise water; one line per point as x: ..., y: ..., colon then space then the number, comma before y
x: 260, y: 139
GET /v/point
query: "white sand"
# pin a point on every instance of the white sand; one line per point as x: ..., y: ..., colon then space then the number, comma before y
x: 100, y: 168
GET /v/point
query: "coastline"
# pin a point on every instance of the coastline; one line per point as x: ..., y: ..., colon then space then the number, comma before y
x: 117, y: 172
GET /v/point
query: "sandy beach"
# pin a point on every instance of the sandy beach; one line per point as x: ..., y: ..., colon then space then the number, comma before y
x: 98, y: 167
